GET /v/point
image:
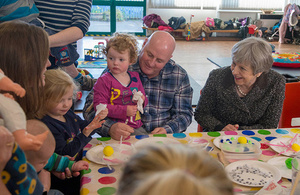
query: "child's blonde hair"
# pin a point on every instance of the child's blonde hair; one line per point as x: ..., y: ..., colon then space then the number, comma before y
x: 121, y: 42
x: 57, y: 84
x: 173, y: 169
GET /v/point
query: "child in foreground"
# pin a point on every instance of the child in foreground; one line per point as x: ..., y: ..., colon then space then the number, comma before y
x: 173, y: 169
x: 71, y: 133
x: 118, y: 87
x: 45, y: 160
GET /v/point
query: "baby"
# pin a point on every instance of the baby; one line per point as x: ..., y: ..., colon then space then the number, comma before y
x: 13, y: 116
x: 45, y: 158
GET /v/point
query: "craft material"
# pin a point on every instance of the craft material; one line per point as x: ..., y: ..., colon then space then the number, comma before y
x: 108, y: 151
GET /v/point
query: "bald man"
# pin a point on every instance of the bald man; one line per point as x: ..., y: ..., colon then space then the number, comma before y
x: 167, y: 88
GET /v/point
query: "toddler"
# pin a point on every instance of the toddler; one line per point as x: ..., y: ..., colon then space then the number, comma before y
x: 118, y: 87
x: 71, y: 133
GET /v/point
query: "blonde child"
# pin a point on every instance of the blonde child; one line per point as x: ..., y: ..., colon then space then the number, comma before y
x: 173, y: 169
x: 71, y: 133
x: 117, y: 86
x: 46, y: 159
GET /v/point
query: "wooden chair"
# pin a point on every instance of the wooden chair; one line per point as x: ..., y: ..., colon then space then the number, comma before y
x: 290, y: 116
x: 200, y: 129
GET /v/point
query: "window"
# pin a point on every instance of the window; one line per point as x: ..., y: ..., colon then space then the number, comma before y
x: 109, y: 16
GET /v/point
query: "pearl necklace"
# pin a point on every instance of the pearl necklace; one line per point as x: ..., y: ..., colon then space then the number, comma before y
x: 238, y: 87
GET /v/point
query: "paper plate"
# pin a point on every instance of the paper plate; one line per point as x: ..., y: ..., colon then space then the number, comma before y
x: 280, y: 149
x: 121, y: 154
x: 217, y: 140
x: 155, y: 140
x: 252, y: 173
x: 279, y: 162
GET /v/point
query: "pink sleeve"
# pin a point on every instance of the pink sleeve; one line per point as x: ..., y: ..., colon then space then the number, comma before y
x: 102, y: 95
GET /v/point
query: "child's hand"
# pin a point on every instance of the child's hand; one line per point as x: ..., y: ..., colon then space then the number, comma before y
x: 80, y: 165
x: 103, y: 114
x: 96, y: 123
x: 18, y: 90
x: 8, y: 95
x: 131, y: 110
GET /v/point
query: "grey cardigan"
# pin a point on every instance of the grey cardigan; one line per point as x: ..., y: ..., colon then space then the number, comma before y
x: 220, y: 105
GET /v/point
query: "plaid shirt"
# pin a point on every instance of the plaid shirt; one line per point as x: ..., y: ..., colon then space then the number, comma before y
x: 170, y: 100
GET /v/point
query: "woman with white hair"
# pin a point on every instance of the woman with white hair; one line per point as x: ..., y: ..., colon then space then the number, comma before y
x: 246, y: 95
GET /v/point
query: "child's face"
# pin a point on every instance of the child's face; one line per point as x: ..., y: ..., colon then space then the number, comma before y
x: 39, y: 162
x: 63, y: 105
x: 117, y: 62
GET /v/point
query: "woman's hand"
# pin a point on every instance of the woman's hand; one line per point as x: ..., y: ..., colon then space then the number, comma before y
x: 231, y: 127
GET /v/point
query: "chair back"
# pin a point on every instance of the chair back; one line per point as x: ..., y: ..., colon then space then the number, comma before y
x: 290, y: 116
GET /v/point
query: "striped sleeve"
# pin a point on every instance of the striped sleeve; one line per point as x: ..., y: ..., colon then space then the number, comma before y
x: 61, y: 14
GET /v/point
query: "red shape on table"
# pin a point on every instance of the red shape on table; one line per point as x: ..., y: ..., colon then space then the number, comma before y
x: 264, y: 146
x: 127, y: 143
x: 200, y: 141
x: 237, y: 190
x: 268, y: 153
x: 88, y: 146
x: 85, y: 180
x: 107, y: 180
x: 127, y: 138
x: 230, y: 133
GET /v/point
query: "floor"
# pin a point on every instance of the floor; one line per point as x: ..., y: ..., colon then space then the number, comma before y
x: 192, y: 56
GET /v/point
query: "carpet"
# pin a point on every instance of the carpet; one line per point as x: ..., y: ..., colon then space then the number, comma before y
x: 226, y: 61
x: 92, y: 64
x: 78, y: 105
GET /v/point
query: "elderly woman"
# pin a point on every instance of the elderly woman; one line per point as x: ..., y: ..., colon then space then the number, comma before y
x: 246, y: 95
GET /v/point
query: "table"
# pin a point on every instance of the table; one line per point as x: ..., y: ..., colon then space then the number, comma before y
x: 99, y: 179
x: 226, y: 61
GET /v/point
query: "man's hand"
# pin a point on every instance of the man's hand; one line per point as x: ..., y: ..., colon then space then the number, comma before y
x: 159, y: 130
x: 120, y: 129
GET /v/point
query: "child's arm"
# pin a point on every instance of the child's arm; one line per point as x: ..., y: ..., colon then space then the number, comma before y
x: 80, y: 165
x: 8, y: 85
x: 103, y: 94
x: 96, y: 123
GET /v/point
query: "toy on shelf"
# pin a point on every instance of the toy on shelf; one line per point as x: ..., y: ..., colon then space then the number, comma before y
x: 13, y: 116
x: 94, y: 54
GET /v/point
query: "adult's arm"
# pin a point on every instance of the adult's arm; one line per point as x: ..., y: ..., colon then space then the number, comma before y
x: 203, y: 113
x: 181, y: 111
x: 66, y: 37
x: 78, y: 28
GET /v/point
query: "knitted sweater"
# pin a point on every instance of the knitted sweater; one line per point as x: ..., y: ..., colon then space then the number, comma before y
x: 220, y: 105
